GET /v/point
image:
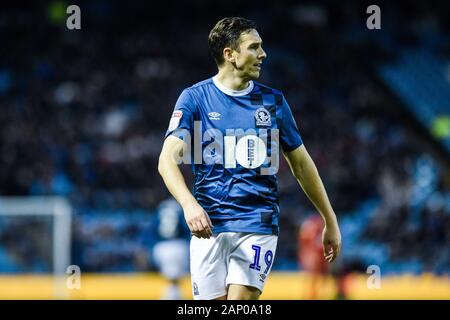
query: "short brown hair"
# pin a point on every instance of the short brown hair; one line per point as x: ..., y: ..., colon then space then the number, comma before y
x: 226, y: 33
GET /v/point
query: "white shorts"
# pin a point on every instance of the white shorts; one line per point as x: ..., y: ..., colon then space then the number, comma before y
x: 230, y: 258
x: 172, y: 258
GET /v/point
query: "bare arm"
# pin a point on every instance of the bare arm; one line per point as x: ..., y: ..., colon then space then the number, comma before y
x: 196, y: 218
x: 305, y: 171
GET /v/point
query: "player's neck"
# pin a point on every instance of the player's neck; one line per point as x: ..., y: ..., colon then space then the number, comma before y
x: 231, y: 81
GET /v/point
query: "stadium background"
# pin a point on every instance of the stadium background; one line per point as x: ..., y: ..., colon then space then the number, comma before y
x: 83, y: 114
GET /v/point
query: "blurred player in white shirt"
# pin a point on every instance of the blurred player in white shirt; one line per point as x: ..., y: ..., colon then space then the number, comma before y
x: 171, y: 253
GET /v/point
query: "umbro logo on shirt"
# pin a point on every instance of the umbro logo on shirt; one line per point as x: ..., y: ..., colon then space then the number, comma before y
x: 214, y: 115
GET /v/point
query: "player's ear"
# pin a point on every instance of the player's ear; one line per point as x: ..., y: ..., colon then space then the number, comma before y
x: 228, y: 55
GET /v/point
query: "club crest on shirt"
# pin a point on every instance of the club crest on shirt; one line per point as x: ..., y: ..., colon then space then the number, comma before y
x: 262, y: 117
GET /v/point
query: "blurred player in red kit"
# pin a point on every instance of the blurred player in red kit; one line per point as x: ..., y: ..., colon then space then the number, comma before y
x: 310, y: 252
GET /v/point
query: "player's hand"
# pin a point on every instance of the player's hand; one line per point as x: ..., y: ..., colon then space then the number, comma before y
x: 331, y: 239
x: 197, y: 220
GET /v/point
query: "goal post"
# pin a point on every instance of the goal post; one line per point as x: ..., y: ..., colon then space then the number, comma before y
x: 60, y: 211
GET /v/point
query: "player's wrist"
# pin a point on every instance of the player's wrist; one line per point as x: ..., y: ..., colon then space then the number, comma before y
x: 188, y: 202
x: 331, y: 221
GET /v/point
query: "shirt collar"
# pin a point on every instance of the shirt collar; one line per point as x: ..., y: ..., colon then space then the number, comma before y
x: 230, y: 92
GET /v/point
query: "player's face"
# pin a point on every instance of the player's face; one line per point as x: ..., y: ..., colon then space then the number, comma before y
x: 250, y: 56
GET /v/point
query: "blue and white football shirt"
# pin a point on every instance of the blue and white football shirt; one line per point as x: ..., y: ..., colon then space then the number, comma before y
x: 234, y: 138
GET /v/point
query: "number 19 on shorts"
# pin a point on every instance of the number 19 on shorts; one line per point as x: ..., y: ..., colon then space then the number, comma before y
x: 268, y: 258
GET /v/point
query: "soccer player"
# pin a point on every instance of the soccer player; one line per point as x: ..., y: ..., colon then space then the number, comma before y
x: 231, y: 127
x: 309, y: 253
x: 171, y: 252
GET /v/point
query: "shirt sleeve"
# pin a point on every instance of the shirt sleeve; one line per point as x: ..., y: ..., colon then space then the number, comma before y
x: 182, y: 119
x: 289, y: 134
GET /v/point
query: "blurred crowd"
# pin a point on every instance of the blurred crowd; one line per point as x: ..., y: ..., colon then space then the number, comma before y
x: 83, y: 115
